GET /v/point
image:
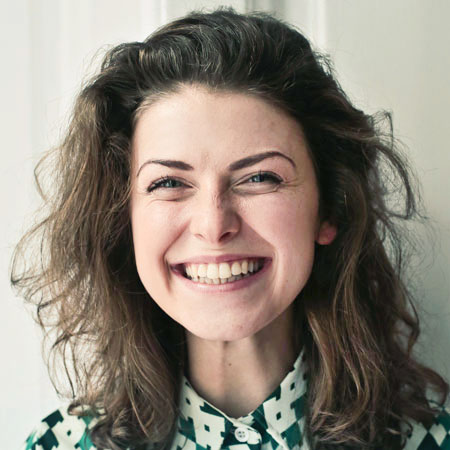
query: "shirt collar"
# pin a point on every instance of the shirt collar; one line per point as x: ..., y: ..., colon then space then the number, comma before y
x: 279, y: 418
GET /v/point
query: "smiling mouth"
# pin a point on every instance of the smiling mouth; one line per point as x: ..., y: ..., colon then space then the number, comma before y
x: 222, y: 273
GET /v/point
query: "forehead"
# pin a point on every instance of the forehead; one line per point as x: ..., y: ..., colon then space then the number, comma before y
x: 196, y: 122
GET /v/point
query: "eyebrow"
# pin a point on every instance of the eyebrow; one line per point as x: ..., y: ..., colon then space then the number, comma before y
x: 237, y: 165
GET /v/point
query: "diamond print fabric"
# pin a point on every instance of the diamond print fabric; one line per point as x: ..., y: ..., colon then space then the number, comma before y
x: 61, y: 431
x: 436, y: 437
x: 278, y: 423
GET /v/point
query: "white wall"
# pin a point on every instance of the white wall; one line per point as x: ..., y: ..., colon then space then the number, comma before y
x: 390, y: 55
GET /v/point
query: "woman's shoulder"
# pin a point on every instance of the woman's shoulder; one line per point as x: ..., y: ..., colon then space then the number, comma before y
x: 61, y: 430
x: 64, y: 431
x: 433, y: 437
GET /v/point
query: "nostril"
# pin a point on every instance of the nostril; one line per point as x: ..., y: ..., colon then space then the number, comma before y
x: 226, y: 236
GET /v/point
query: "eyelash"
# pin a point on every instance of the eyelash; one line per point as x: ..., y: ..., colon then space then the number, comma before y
x: 158, y: 184
x: 273, y: 178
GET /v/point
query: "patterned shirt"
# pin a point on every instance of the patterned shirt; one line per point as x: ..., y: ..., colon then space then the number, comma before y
x: 278, y: 423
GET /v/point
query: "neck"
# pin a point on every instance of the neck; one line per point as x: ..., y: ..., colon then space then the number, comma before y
x: 237, y: 376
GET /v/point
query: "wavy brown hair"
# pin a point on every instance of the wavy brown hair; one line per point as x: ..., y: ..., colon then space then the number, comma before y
x: 123, y: 355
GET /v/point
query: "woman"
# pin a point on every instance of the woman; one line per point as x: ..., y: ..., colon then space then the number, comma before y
x: 223, y: 263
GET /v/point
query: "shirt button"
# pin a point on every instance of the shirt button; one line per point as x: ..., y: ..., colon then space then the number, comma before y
x: 241, y: 434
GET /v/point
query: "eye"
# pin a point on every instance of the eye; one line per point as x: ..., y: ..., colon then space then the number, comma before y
x: 264, y: 177
x: 165, y: 183
x: 259, y: 183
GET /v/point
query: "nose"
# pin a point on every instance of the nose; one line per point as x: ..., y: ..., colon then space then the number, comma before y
x: 214, y: 219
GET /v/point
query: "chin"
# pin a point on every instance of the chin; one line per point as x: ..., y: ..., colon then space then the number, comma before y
x: 223, y: 332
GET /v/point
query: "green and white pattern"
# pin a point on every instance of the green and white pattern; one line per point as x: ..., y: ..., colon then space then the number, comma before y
x: 278, y: 423
x: 61, y: 431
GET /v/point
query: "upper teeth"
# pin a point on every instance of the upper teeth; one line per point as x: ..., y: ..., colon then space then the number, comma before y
x: 222, y: 270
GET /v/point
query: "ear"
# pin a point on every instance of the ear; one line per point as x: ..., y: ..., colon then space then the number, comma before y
x: 326, y: 233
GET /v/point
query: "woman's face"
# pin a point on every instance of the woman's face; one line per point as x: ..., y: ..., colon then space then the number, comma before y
x: 223, y: 184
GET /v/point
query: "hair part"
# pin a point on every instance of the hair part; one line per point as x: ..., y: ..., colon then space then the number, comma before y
x: 357, y: 323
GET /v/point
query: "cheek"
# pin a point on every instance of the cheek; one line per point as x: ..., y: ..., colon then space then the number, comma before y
x: 289, y: 225
x: 287, y: 222
x: 154, y: 229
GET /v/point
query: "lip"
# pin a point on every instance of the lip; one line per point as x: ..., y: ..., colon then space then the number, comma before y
x: 206, y: 259
x: 223, y: 288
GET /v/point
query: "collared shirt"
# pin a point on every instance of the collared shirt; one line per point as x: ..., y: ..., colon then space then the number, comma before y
x: 278, y: 423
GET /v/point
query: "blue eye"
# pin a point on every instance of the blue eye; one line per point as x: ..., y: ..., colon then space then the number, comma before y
x: 165, y: 183
x: 262, y: 177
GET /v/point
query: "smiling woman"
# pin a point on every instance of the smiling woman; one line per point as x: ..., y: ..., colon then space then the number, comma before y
x: 216, y: 212
x: 221, y: 257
